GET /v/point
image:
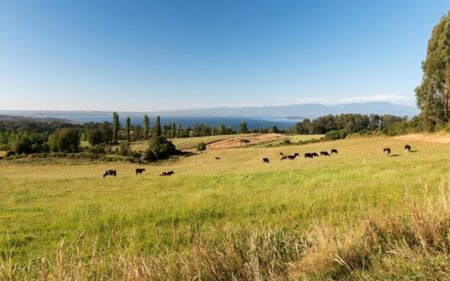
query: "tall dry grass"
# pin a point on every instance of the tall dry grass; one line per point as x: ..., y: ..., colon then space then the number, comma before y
x: 380, y: 247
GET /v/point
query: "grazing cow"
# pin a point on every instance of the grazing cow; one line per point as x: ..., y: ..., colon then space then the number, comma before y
x: 296, y: 154
x: 139, y: 171
x: 169, y: 173
x: 265, y: 160
x: 217, y: 158
x: 291, y: 157
x: 407, y: 148
x: 281, y: 153
x: 315, y: 154
x: 308, y: 155
x: 110, y: 173
x: 324, y: 153
x: 387, y: 151
x: 284, y: 157
x: 333, y: 151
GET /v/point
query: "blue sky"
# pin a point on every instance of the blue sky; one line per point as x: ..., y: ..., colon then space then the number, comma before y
x: 164, y: 55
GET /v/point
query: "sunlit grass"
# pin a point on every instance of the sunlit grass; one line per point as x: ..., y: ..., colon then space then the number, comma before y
x: 40, y: 205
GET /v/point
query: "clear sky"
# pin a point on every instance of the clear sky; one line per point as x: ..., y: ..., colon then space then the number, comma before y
x: 162, y: 55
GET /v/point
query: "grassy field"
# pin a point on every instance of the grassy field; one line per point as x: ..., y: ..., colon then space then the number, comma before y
x: 184, y: 143
x: 292, y: 138
x: 356, y: 216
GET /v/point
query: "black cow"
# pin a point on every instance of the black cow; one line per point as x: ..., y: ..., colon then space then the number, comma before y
x: 284, y: 157
x: 407, y: 148
x: 265, y: 160
x: 324, y: 153
x: 112, y: 173
x: 296, y: 154
x: 169, y: 173
x: 387, y: 151
x: 139, y: 171
x: 281, y: 154
x: 308, y: 155
x: 315, y: 154
x: 291, y: 157
x: 217, y: 158
x: 333, y: 151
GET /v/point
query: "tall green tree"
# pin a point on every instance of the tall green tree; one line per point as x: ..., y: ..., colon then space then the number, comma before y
x: 433, y: 97
x: 128, y: 128
x: 146, y: 126
x: 116, y: 127
x: 173, y: 130
x: 158, y: 130
x: 178, y: 132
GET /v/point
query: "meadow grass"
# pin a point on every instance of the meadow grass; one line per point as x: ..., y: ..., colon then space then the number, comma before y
x: 185, y: 143
x: 357, y: 216
x: 293, y: 139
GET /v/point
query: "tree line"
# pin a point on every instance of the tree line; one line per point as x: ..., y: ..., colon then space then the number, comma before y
x: 356, y: 123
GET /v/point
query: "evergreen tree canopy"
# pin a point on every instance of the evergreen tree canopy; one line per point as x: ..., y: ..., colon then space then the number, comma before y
x: 433, y: 94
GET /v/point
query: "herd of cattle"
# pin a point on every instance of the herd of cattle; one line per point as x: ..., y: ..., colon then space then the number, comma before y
x: 139, y: 171
x: 387, y: 151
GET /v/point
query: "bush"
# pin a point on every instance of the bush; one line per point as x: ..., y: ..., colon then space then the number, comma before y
x: 364, y: 132
x: 336, y: 135
x: 160, y: 148
x: 97, y: 149
x: 447, y: 128
x: 26, y: 143
x: 65, y: 140
x: 397, y: 128
x: 124, y: 149
x: 201, y: 146
x: 95, y: 137
x: 287, y: 141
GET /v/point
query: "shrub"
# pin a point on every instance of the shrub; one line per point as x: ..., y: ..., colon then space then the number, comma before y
x: 65, y: 140
x: 160, y: 148
x: 97, y: 149
x: 397, y: 128
x: 201, y: 146
x: 336, y: 135
x: 95, y: 137
x: 447, y: 128
x: 124, y: 149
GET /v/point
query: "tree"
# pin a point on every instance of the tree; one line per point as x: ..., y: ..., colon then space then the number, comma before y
x: 146, y: 126
x: 274, y: 129
x: 178, y: 132
x: 243, y: 128
x: 158, y: 130
x: 128, y: 128
x: 65, y: 140
x: 105, y: 129
x: 173, y: 130
x: 95, y: 137
x: 116, y: 127
x: 432, y: 96
x: 160, y: 148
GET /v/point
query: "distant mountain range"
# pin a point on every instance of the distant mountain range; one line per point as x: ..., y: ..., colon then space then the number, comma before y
x: 20, y: 118
x: 284, y: 111
x: 299, y: 110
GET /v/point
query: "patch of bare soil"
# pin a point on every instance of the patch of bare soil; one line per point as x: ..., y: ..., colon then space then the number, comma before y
x: 429, y: 138
x: 241, y: 141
